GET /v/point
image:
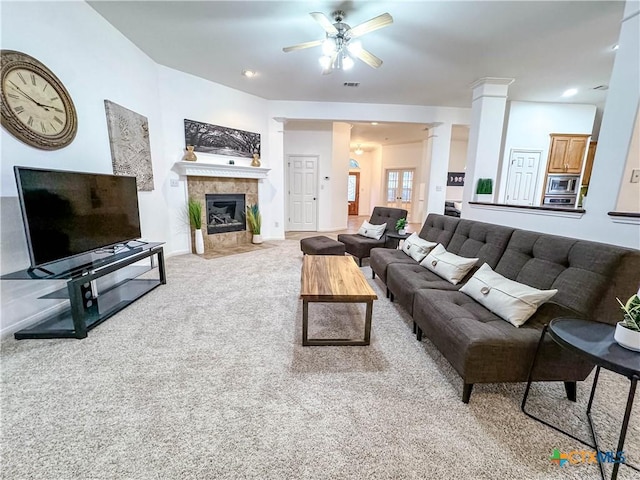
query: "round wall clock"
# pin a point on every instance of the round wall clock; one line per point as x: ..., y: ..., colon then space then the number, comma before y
x: 35, y: 106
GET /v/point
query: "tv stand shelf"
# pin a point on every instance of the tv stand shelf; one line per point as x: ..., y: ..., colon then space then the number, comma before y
x: 87, y: 307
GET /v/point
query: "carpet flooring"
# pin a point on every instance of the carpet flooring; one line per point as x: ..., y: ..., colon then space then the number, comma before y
x: 206, y: 378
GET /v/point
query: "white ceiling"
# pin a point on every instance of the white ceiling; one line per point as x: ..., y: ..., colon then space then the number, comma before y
x: 432, y: 52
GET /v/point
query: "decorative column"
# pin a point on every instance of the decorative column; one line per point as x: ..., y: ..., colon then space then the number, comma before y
x: 439, y: 141
x: 485, y: 134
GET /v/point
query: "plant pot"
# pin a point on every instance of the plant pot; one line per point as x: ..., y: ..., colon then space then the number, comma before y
x: 199, y: 241
x: 627, y: 338
x: 402, y: 231
x: 484, y: 197
x: 257, y: 238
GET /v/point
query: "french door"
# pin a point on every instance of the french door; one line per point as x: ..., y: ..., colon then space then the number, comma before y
x: 400, y: 188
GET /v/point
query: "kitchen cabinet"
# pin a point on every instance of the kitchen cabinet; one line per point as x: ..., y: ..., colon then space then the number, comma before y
x: 566, y: 153
x: 588, y: 166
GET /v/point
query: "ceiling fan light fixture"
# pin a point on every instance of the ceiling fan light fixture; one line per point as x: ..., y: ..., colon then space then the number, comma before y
x: 347, y: 62
x: 325, y: 62
x: 354, y: 47
x: 249, y: 73
x: 358, y: 151
x: 328, y: 46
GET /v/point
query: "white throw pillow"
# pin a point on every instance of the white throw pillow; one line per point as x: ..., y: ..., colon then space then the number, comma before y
x: 416, y: 247
x: 449, y: 266
x: 512, y: 301
x: 372, y: 231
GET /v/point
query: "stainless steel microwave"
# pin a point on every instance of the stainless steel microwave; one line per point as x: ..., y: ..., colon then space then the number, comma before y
x: 562, y: 184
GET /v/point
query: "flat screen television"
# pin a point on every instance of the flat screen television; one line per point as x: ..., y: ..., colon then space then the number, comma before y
x: 67, y: 214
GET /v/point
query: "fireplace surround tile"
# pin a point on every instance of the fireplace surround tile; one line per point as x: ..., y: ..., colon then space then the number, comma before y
x: 199, y: 186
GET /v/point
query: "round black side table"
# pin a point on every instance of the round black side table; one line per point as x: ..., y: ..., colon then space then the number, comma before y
x: 594, y: 341
x: 397, y: 237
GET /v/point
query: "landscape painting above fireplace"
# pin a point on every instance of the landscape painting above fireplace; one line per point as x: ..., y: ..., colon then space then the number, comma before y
x: 207, y: 138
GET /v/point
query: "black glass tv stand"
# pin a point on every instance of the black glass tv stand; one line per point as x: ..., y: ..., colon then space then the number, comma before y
x: 99, y: 284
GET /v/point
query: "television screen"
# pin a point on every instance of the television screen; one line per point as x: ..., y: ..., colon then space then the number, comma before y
x: 70, y: 213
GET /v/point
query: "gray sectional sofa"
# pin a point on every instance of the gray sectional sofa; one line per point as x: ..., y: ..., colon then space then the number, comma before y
x: 484, y: 348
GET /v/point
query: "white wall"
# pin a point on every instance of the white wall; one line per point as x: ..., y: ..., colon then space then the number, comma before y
x: 457, y: 163
x: 338, y: 183
x: 185, y: 96
x: 529, y: 126
x: 366, y: 162
x: 86, y: 52
x: 629, y: 196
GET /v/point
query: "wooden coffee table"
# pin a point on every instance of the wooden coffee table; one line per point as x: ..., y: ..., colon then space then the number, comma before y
x: 334, y: 279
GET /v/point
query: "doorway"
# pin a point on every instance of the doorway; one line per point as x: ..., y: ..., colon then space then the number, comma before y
x: 353, y: 192
x: 399, y: 192
x: 522, y: 177
x: 303, y: 192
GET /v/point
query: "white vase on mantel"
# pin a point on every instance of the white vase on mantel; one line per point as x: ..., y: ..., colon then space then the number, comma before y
x: 199, y: 241
x: 257, y: 238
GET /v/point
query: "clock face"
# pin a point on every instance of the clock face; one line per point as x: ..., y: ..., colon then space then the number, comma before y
x: 36, y: 108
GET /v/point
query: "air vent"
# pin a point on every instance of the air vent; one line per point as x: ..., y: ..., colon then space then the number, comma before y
x: 601, y: 87
x: 352, y: 84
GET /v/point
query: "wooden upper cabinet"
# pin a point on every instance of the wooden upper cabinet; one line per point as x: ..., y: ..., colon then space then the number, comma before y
x: 588, y: 166
x: 567, y: 153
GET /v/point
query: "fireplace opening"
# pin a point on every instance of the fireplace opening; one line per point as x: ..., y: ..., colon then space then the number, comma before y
x: 225, y: 212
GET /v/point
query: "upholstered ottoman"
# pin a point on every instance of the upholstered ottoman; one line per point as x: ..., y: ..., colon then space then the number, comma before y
x: 321, y: 245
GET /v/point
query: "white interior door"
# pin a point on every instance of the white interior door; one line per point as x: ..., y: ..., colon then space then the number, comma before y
x: 303, y: 184
x: 522, y: 177
x: 400, y: 189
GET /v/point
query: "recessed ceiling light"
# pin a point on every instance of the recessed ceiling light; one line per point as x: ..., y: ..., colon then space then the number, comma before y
x: 374, y: 123
x: 248, y: 73
x: 570, y: 93
x: 615, y: 47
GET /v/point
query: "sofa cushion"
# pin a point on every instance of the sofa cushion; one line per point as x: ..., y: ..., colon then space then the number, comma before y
x: 381, y: 258
x: 404, y: 280
x: 416, y: 247
x: 370, y: 230
x: 484, y: 348
x: 449, y: 266
x: 388, y: 215
x: 482, y: 240
x: 580, y: 270
x: 512, y: 301
x: 439, y: 228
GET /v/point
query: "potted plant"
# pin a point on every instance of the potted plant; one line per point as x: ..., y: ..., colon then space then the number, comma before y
x: 254, y: 222
x: 194, y: 209
x: 627, y: 332
x: 401, y: 225
x: 484, y: 190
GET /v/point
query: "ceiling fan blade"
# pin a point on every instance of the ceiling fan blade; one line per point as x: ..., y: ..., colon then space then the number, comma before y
x: 371, y: 25
x: 369, y: 58
x: 300, y: 46
x: 324, y: 22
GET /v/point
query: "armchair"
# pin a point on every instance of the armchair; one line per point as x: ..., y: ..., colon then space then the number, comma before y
x: 360, y: 246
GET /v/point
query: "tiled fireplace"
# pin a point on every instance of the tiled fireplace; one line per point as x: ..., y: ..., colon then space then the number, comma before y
x: 227, y: 190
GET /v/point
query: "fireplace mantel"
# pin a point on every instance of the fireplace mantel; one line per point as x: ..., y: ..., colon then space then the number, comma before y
x: 200, y: 169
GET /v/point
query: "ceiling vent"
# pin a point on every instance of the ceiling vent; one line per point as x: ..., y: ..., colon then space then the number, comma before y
x: 601, y: 87
x: 352, y: 84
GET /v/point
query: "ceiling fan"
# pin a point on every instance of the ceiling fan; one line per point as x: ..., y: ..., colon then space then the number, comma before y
x: 339, y: 46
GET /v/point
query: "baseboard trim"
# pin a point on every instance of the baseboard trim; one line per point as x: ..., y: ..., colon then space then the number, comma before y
x: 32, y: 319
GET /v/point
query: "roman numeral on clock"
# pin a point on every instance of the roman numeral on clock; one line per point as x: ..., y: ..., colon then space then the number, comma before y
x: 30, y: 122
x: 33, y: 79
x: 44, y: 130
x: 13, y: 95
x: 58, y: 120
x: 22, y: 78
x: 18, y: 109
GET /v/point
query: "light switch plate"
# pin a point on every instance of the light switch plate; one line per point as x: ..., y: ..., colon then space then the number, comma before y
x: 174, y: 182
x: 635, y: 175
